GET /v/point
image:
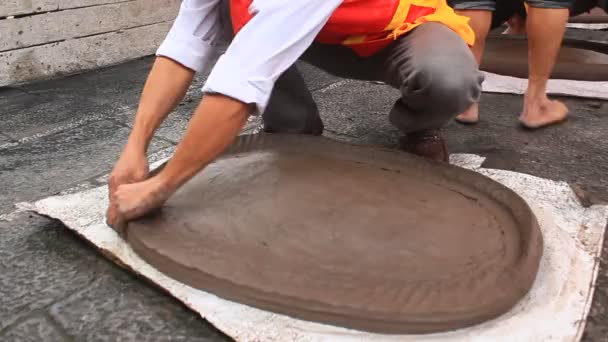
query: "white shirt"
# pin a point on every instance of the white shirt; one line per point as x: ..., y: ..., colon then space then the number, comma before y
x: 277, y: 35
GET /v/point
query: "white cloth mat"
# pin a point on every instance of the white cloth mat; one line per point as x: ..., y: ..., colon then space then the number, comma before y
x: 554, y: 310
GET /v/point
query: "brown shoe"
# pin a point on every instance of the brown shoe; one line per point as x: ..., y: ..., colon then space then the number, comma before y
x: 428, y: 144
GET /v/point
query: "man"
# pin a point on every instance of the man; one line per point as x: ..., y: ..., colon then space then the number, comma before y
x: 417, y: 46
x: 545, y: 27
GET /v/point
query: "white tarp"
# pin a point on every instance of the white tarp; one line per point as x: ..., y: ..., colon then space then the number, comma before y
x: 554, y: 310
x: 511, y: 85
x: 585, y: 26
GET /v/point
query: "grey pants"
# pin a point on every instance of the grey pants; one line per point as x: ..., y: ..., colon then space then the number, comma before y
x: 432, y: 67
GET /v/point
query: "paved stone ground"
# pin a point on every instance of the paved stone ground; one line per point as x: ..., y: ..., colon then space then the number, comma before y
x: 57, y: 134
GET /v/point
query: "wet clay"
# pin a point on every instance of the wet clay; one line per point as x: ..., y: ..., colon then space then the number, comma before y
x: 578, y: 60
x: 346, y: 235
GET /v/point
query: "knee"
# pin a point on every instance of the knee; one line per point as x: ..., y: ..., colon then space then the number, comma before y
x: 449, y: 85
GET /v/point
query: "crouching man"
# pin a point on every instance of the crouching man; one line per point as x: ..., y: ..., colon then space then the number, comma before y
x: 420, y: 47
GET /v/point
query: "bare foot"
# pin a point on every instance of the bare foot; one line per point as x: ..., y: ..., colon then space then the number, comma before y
x: 470, y: 116
x: 542, y: 113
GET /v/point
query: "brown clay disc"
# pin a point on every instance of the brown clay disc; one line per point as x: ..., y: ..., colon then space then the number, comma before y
x: 578, y: 60
x: 358, y: 237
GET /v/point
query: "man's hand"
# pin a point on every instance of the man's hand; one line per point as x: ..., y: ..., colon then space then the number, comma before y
x: 138, y: 199
x: 218, y: 118
x: 132, y: 167
x: 165, y: 88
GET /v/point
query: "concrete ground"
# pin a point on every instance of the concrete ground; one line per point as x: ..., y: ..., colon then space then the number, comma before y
x: 57, y: 134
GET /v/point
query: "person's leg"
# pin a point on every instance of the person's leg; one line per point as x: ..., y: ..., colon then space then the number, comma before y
x: 517, y: 23
x: 480, y: 13
x: 438, y: 78
x: 480, y: 22
x: 342, y: 61
x: 435, y: 71
x: 546, y: 24
x: 516, y: 19
x: 291, y: 108
x: 516, y: 26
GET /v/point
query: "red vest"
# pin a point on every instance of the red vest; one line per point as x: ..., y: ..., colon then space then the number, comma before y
x: 368, y: 26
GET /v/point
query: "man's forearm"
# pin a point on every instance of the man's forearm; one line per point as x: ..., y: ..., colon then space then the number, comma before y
x: 215, y: 124
x: 164, y: 89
